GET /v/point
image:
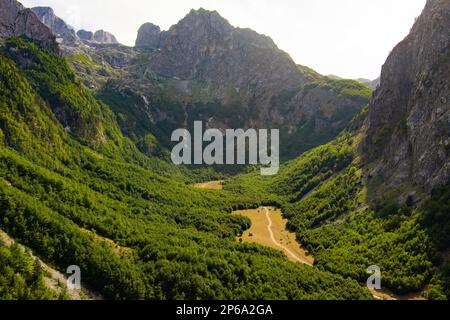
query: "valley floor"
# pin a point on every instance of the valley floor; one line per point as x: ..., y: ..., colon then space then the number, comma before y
x: 269, y: 228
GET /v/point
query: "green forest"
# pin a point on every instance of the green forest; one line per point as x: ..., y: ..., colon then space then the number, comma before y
x: 325, y: 199
x: 77, y: 191
x: 21, y: 278
x: 63, y: 191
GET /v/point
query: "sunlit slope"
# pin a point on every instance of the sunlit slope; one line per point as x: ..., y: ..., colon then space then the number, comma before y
x: 76, y: 192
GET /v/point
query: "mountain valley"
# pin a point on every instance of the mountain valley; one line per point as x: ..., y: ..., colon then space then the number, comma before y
x: 86, y: 177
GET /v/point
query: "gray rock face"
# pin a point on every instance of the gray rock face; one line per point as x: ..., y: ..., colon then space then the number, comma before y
x: 15, y: 20
x: 104, y: 37
x: 205, y: 47
x: 63, y: 32
x: 408, y: 132
x: 233, y: 78
x: 148, y: 36
x: 85, y: 35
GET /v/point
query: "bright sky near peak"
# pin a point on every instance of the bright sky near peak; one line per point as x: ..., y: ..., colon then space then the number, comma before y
x: 347, y: 38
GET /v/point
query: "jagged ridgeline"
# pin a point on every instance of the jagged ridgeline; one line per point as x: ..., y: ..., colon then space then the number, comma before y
x: 204, y: 69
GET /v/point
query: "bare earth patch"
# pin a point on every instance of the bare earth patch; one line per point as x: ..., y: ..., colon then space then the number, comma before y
x: 269, y: 229
x: 210, y: 185
x: 54, y: 279
x: 387, y: 295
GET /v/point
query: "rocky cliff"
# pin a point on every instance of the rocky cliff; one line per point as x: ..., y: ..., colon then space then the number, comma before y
x: 149, y: 36
x: 204, y: 46
x: 234, y: 77
x: 15, y: 20
x: 63, y: 32
x: 85, y: 35
x: 408, y: 136
x: 102, y: 36
x: 66, y: 35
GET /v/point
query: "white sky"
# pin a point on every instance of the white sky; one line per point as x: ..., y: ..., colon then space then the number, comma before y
x: 348, y: 38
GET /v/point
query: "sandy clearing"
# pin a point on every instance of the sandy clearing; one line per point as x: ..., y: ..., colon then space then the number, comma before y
x: 210, y: 185
x: 269, y: 229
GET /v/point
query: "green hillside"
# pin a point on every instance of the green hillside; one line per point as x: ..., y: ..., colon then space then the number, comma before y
x: 75, y: 191
x: 325, y: 198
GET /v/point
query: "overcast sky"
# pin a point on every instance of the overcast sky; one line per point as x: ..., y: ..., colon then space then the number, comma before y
x: 348, y: 38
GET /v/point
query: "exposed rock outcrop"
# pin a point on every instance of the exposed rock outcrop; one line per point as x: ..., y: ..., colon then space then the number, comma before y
x: 85, y: 35
x: 15, y: 20
x: 204, y: 46
x: 148, y: 36
x: 235, y: 78
x: 408, y: 136
x: 104, y: 37
x: 63, y: 32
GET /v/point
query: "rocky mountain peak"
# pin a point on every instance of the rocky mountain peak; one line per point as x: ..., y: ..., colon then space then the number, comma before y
x: 205, y: 15
x: 205, y: 46
x: 85, y: 35
x: 148, y: 36
x: 15, y: 20
x: 64, y: 33
x: 43, y: 11
x: 202, y: 18
x: 104, y: 37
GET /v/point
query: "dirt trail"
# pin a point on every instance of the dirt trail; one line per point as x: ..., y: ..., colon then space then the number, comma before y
x: 54, y: 278
x: 269, y: 229
x: 387, y: 295
x: 284, y: 248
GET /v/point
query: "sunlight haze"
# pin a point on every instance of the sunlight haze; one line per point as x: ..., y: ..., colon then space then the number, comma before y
x: 347, y: 38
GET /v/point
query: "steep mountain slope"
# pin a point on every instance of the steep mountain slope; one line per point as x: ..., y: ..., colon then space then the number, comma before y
x: 409, y: 117
x: 380, y: 195
x: 15, y: 20
x: 64, y: 33
x: 203, y: 68
x: 324, y: 197
x: 21, y: 277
